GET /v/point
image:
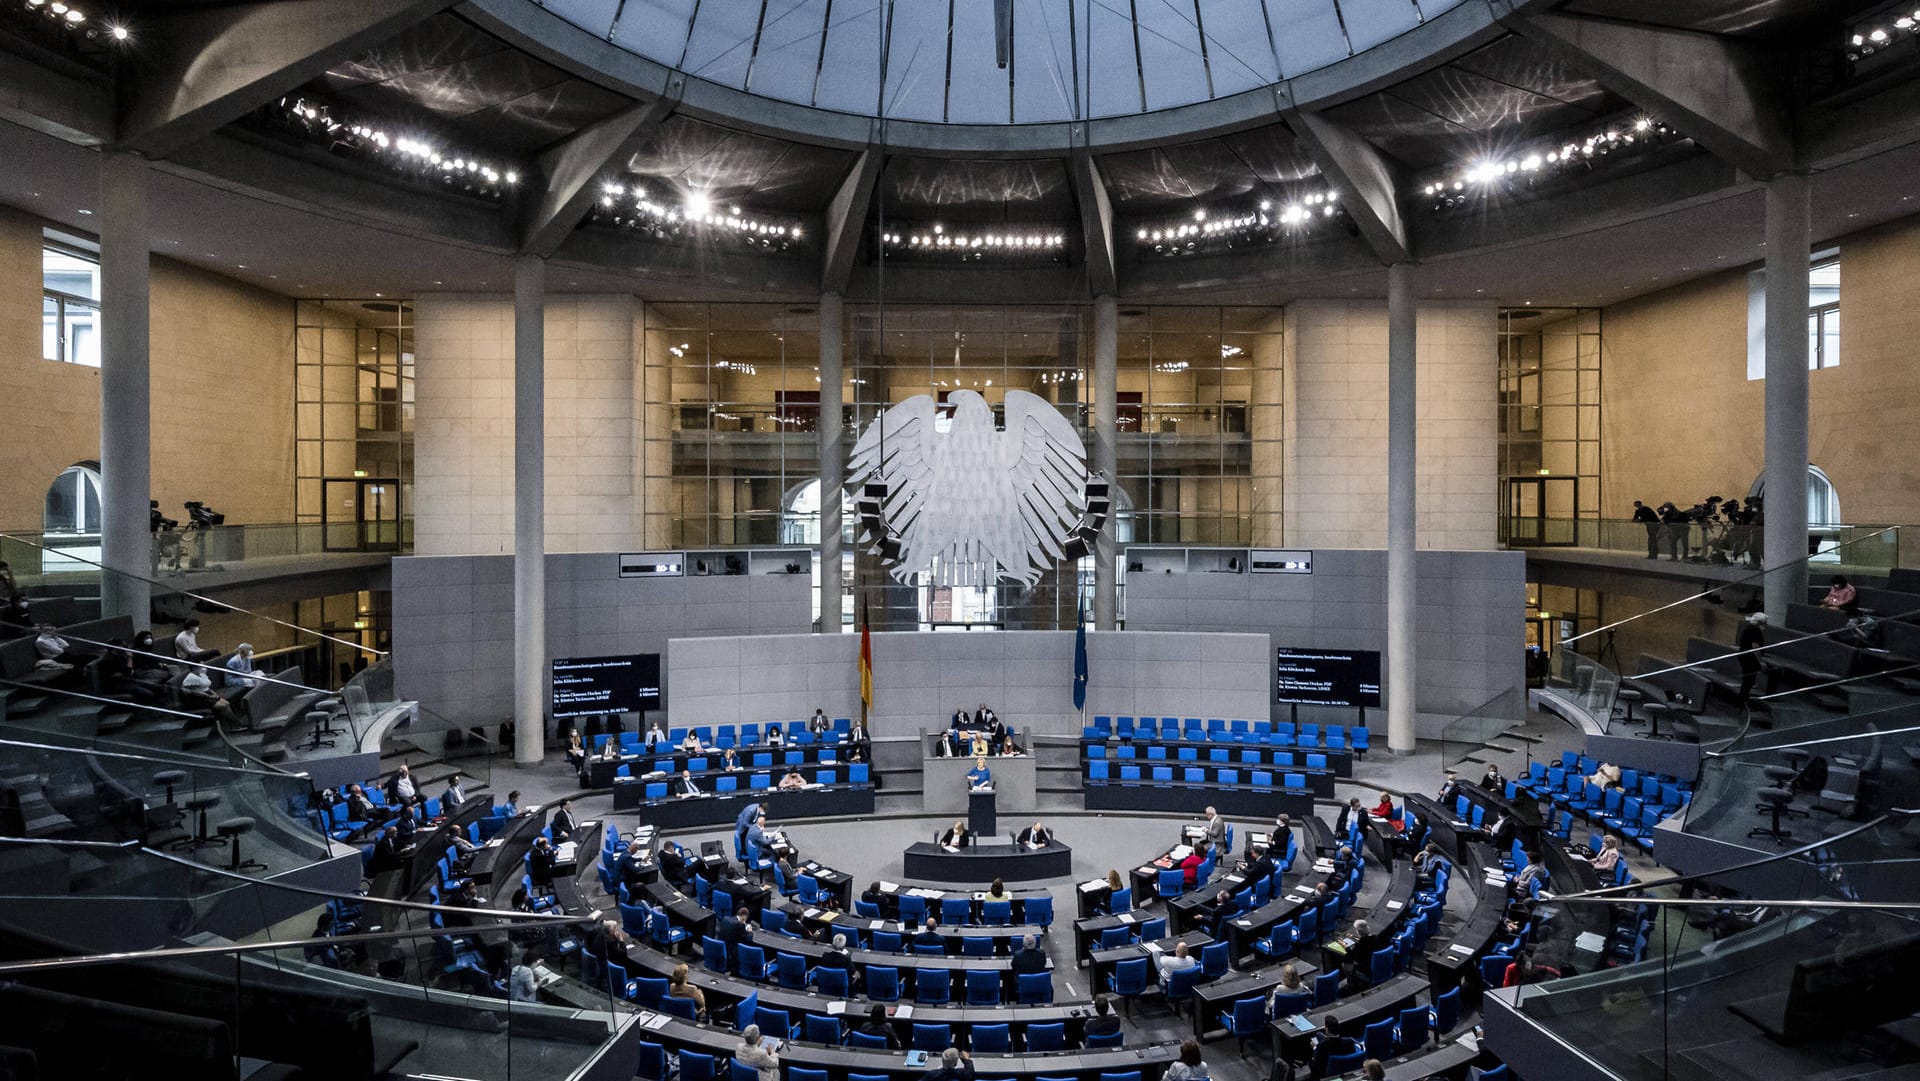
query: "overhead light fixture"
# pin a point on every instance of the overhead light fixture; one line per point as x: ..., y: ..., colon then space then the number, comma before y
x: 1523, y: 169
x: 418, y: 156
x: 999, y: 242
x: 698, y: 205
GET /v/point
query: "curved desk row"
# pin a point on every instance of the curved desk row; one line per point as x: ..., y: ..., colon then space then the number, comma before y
x: 1250, y: 755
x: 928, y: 862
x: 830, y: 801
x: 1262, y: 804
x: 599, y: 771
x: 826, y: 924
x: 1149, y: 1062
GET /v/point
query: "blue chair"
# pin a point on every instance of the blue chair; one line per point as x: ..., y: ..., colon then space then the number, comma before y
x: 955, y: 910
x: 870, y: 1041
x: 867, y: 909
x: 1121, y: 900
x: 913, y: 910
x: 888, y: 941
x: 1039, y: 911
x: 1153, y: 930
x: 1115, y: 937
x: 713, y: 954
x: 883, y: 983
x: 727, y: 782
x: 1278, y: 943
x: 1215, y: 959
x: 1047, y: 1037
x: 931, y: 987
x: 1292, y: 1003
x: 1380, y: 1038
x: 790, y: 971
x: 1359, y: 740
x: 740, y: 1071
x: 665, y: 935
x: 983, y: 987
x: 801, y: 1073
x: 810, y: 891
x: 1498, y: 1073
x: 1129, y: 979
x: 649, y: 990
x: 869, y: 1077
x: 996, y: 913
x: 1326, y: 989
x: 1171, y: 882
x: 776, y: 1022
x: 976, y: 946
x: 931, y: 1038
x: 695, y: 1066
x: 1248, y: 1017
x: 929, y: 949
x: 1380, y: 965
x: 992, y: 1039
x: 832, y: 982
x: 1180, y: 986
x: 1128, y: 1075
x: 1493, y: 969
x: 652, y: 1064
x: 1415, y: 1023
x: 753, y: 963
x: 1035, y: 988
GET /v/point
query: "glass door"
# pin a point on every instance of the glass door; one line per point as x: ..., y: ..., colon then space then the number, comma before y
x: 360, y: 514
x: 1540, y: 511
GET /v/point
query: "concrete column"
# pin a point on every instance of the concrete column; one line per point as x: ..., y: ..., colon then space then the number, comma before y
x: 126, y: 481
x: 529, y: 508
x: 1402, y: 587
x: 1106, y: 421
x: 1789, y: 236
x: 833, y: 459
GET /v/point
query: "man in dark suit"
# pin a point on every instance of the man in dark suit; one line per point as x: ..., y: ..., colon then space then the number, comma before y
x: 1103, y: 1022
x: 1349, y: 814
x: 1500, y: 832
x: 1034, y: 836
x: 1343, y: 861
x: 1029, y: 958
x: 837, y: 957
x: 685, y: 785
x: 877, y: 1025
x: 928, y: 936
x: 540, y: 862
x: 735, y: 930
x: 984, y: 717
x: 1257, y: 865
x: 673, y: 865
x: 1331, y: 1042
x: 563, y: 825
x: 386, y: 851
x: 955, y: 1065
x: 628, y: 867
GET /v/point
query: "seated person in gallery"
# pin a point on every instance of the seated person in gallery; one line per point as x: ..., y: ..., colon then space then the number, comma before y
x: 792, y: 781
x: 775, y: 736
x: 979, y: 778
x: 656, y: 738
x: 979, y: 746
x: 818, y: 724
x: 961, y: 719
x: 691, y: 744
x: 729, y: 761
x: 685, y: 785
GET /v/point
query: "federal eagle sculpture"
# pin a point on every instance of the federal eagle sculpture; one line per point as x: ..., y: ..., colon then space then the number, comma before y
x: 974, y: 504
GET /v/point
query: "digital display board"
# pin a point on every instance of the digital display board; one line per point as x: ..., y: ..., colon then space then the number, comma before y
x: 583, y: 685
x: 1326, y: 677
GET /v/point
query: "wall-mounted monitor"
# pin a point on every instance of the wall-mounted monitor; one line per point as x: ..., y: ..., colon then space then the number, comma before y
x: 1280, y: 561
x: 653, y: 564
x: 1326, y: 677
x: 584, y: 685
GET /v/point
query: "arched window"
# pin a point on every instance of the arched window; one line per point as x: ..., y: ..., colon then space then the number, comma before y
x: 73, y: 501
x: 1823, y: 501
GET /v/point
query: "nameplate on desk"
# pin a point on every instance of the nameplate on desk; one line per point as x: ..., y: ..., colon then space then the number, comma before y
x: 837, y: 1007
x: 655, y: 1020
x: 1243, y: 923
x: 1125, y: 917
x: 1589, y: 942
x: 1462, y: 950
x: 1323, y: 866
x: 889, y: 887
x: 1395, y: 906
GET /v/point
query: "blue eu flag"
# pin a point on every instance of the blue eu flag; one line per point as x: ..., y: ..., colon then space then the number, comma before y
x: 1080, y: 664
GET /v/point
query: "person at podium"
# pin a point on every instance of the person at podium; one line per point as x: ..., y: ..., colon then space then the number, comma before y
x: 980, y: 778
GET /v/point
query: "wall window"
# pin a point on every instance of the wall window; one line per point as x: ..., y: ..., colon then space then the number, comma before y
x: 69, y: 305
x: 73, y: 502
x: 1823, y: 315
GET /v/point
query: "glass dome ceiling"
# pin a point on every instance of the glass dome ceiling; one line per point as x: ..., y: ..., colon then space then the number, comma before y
x: 996, y: 61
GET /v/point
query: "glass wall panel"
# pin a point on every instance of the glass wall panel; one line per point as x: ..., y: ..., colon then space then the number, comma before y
x: 353, y: 420
x: 1550, y: 379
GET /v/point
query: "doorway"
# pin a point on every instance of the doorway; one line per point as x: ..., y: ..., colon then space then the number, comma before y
x: 360, y: 514
x: 1540, y: 511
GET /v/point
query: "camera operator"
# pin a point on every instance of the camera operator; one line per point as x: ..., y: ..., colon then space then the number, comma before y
x: 1675, y: 521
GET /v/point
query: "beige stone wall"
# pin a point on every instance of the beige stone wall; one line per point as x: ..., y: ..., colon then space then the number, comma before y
x: 222, y: 379
x: 1336, y: 425
x: 463, y: 452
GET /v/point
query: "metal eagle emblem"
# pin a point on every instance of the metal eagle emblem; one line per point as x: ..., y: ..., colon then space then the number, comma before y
x: 973, y: 504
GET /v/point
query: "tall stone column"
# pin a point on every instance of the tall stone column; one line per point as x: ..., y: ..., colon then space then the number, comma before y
x: 1402, y: 585
x: 1789, y: 235
x: 1106, y: 426
x: 529, y: 508
x: 126, y: 480
x: 833, y: 459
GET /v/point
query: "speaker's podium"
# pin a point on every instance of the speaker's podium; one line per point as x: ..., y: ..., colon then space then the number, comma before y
x: 981, y: 819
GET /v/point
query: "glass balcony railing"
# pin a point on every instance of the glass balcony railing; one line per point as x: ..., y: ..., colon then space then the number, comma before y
x: 1841, y: 549
x: 40, y: 558
x: 177, y: 969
